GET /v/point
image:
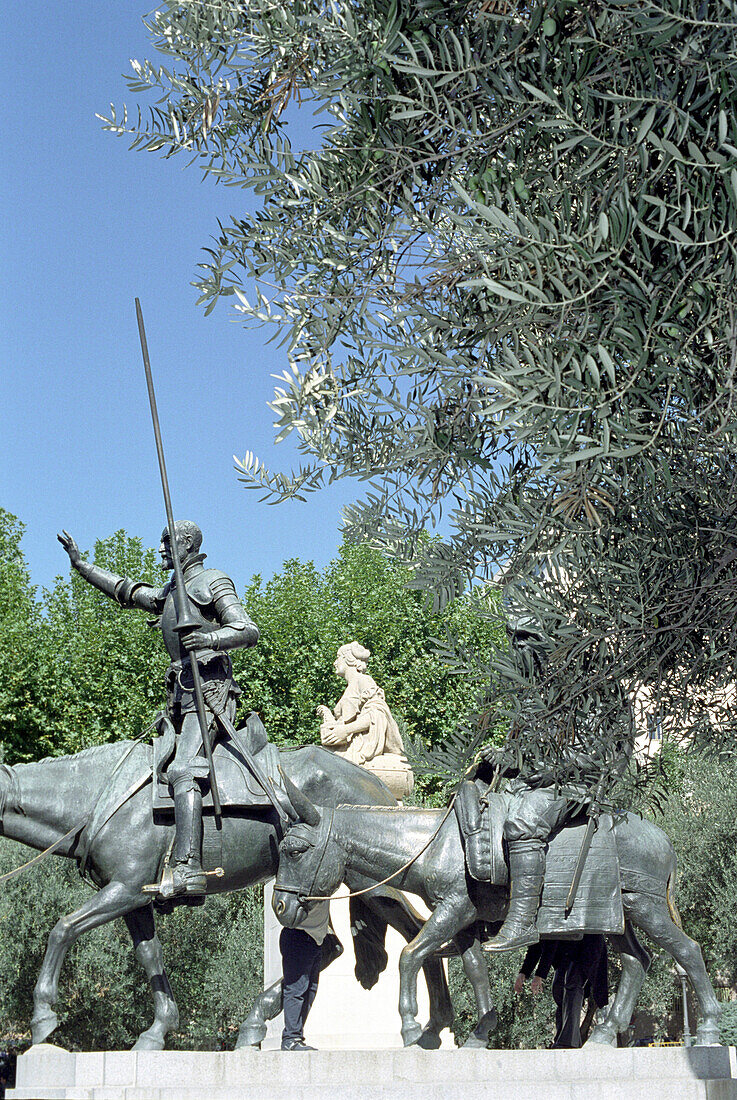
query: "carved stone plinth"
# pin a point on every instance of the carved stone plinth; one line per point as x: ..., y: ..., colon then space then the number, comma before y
x: 395, y: 772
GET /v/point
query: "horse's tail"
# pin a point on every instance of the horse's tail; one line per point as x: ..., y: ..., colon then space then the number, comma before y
x: 670, y: 898
x: 368, y: 931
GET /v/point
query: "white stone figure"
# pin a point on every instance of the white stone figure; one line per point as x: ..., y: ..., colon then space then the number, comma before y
x: 361, y: 728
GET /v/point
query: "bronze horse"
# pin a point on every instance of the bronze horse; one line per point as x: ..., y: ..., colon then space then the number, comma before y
x: 42, y: 802
x: 360, y: 845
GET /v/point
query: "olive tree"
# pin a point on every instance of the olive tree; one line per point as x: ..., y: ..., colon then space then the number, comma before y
x: 503, y: 273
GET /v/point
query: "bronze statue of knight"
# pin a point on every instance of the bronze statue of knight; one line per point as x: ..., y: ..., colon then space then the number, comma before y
x: 223, y: 625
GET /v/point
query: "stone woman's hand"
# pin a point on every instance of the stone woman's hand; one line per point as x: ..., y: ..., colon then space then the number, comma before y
x: 328, y: 735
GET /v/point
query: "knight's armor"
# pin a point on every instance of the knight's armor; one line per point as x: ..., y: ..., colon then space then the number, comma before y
x: 226, y: 625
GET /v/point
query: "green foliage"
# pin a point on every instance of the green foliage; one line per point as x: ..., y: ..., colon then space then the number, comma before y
x: 21, y: 709
x: 728, y: 1025
x: 701, y: 819
x: 525, y: 1022
x: 102, y: 668
x: 505, y: 276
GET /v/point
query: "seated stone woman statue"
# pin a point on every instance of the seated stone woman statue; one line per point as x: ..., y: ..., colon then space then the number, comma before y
x: 361, y: 727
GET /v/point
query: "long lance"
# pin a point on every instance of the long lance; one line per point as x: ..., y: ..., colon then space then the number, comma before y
x: 185, y: 618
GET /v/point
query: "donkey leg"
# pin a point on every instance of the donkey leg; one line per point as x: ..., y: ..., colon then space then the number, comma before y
x: 440, y: 926
x: 114, y: 900
x: 653, y: 917
x: 476, y: 970
x: 394, y: 909
x: 628, y: 990
x: 146, y: 943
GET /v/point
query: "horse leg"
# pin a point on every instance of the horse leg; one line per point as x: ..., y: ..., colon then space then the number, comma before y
x: 393, y: 908
x: 628, y: 990
x: 146, y: 943
x: 114, y: 900
x: 441, y: 925
x: 266, y: 1007
x: 652, y: 915
x: 476, y: 970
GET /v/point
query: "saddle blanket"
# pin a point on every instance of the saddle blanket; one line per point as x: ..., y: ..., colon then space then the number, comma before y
x: 598, y: 904
x: 236, y: 784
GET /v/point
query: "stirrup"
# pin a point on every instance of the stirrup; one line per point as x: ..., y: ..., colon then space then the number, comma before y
x: 167, y: 888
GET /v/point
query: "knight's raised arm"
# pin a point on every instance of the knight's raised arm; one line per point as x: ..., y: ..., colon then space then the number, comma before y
x: 126, y: 592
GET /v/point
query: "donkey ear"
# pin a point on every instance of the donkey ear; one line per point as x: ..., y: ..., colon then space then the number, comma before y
x: 304, y: 809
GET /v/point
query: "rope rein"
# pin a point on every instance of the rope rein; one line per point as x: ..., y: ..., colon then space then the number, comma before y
x: 47, y: 851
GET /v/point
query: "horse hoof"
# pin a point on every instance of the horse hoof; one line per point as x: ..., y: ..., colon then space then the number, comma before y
x: 429, y: 1040
x: 42, y: 1024
x: 707, y: 1035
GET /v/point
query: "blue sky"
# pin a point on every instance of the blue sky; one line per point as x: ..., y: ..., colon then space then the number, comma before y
x: 89, y: 225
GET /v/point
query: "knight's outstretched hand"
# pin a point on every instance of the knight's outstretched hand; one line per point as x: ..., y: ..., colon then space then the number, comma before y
x: 197, y: 639
x: 70, y: 546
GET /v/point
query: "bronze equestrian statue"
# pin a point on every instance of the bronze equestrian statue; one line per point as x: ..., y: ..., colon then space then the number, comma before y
x: 554, y: 775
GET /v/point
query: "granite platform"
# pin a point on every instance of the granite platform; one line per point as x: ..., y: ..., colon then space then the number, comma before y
x: 594, y: 1073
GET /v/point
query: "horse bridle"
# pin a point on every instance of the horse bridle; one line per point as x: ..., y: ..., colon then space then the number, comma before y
x: 322, y: 844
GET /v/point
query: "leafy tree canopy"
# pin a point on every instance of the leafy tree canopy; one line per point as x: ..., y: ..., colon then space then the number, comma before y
x: 505, y: 279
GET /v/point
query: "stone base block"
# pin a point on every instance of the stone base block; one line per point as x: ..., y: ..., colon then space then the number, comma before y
x: 594, y: 1073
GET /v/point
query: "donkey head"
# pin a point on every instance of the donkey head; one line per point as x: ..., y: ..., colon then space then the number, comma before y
x: 311, y: 861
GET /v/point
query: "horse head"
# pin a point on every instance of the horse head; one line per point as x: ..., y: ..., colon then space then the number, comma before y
x: 311, y: 861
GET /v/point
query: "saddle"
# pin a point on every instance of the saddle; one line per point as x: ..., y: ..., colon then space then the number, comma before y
x: 598, y: 904
x: 237, y: 786
x: 138, y: 765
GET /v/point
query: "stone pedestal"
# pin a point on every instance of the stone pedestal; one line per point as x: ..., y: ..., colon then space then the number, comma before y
x: 594, y: 1073
x: 345, y: 1016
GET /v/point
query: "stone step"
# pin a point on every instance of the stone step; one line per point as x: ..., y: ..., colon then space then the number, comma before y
x: 594, y: 1073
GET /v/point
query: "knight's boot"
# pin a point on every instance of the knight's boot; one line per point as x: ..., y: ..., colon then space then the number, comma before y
x: 187, y: 875
x: 526, y: 870
x: 475, y: 838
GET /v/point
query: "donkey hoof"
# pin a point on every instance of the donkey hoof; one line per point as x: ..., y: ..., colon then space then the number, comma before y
x: 429, y: 1040
x: 42, y: 1024
x: 411, y: 1035
x: 475, y: 1042
x: 149, y: 1042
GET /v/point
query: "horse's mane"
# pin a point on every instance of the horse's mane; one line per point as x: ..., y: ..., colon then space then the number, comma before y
x: 91, y: 754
